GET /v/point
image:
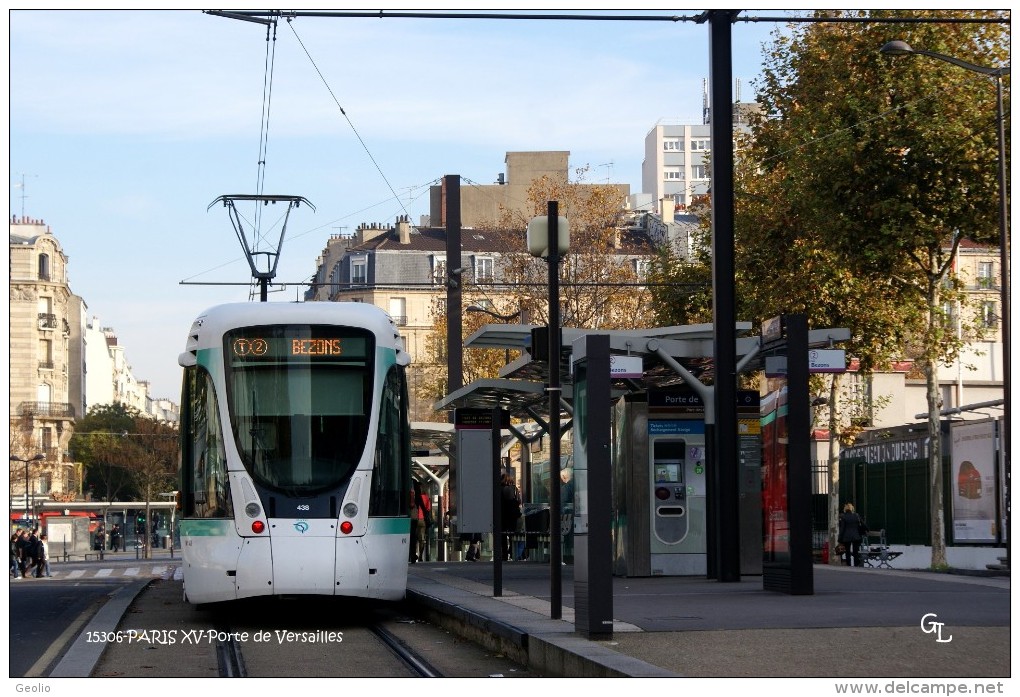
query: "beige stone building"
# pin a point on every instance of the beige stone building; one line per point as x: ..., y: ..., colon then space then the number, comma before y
x: 482, y: 204
x: 61, y: 364
x: 45, y: 368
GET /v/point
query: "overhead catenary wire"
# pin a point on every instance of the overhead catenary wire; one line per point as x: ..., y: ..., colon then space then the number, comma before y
x: 267, y: 101
x: 336, y: 101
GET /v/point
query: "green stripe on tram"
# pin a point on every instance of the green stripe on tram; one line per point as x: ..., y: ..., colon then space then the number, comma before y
x: 206, y: 528
x: 389, y: 526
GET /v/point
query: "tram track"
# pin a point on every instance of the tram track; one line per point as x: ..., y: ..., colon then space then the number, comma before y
x: 231, y: 663
x: 410, y: 658
x: 229, y: 659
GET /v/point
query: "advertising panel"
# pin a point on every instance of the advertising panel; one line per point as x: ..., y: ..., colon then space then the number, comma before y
x: 973, y: 482
x: 776, y: 513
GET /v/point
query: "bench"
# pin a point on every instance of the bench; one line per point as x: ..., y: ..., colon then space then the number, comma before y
x: 875, y: 552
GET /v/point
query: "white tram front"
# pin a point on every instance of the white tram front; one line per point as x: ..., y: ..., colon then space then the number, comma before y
x: 295, y: 453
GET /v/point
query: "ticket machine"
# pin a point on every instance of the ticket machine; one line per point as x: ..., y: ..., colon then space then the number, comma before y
x: 660, y: 496
x: 677, y: 496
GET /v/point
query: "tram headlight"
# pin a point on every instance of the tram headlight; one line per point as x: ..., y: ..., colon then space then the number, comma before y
x: 253, y: 510
x: 350, y: 509
x: 257, y: 527
x: 346, y: 527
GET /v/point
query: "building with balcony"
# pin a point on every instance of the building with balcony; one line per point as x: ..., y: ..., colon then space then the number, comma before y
x: 43, y: 312
x: 61, y: 364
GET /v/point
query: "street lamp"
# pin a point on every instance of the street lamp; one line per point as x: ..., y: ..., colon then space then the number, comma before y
x: 15, y: 458
x: 902, y: 48
x: 549, y: 237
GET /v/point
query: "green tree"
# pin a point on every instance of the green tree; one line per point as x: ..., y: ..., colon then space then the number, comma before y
x: 599, y: 285
x: 890, y: 164
x: 127, y: 455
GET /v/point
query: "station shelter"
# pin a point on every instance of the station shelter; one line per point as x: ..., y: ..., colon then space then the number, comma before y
x: 660, y: 384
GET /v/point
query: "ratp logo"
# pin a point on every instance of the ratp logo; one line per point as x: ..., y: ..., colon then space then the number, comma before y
x: 930, y: 626
x: 301, y: 526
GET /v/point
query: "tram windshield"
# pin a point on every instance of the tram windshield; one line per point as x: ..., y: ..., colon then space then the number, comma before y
x: 299, y: 399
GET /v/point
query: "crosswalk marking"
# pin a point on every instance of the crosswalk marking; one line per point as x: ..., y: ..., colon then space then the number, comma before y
x: 77, y: 573
x: 103, y: 573
x: 131, y: 571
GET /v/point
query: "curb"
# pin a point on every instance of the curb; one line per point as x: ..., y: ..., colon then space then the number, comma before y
x: 83, y: 655
x: 559, y: 654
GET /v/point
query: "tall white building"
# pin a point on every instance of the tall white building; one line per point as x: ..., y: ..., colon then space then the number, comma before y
x: 676, y: 168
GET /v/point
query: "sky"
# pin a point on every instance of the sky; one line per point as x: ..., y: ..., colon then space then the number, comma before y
x: 126, y: 125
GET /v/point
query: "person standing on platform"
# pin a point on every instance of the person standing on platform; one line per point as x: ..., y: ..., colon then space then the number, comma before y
x: 851, y: 531
x: 510, y: 513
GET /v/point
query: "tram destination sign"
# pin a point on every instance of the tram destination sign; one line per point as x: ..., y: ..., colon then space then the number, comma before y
x: 294, y: 344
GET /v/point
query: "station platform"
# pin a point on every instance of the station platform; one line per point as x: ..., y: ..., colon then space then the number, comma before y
x: 860, y: 623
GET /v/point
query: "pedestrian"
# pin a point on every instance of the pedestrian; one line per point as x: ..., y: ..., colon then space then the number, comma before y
x: 100, y: 538
x: 15, y: 558
x: 24, y: 558
x: 32, y: 551
x: 509, y: 513
x: 474, y: 546
x: 42, y: 557
x: 851, y: 531
x: 115, y: 537
x: 421, y: 519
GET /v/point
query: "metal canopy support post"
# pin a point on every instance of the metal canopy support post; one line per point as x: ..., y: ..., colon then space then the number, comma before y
x: 555, y: 512
x: 454, y: 331
x: 593, y: 546
x: 497, y: 508
x: 723, y: 462
x: 799, y: 455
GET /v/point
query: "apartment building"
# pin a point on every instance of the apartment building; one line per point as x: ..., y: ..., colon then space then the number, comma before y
x: 403, y: 270
x: 676, y: 167
x: 62, y: 362
x: 43, y: 320
x: 483, y: 204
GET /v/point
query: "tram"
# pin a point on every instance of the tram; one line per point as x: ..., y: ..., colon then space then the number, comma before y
x: 295, y: 453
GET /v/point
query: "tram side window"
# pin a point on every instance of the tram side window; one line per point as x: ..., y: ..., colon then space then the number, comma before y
x: 391, y: 476
x: 205, y: 458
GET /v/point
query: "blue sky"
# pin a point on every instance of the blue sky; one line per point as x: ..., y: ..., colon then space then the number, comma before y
x: 126, y: 125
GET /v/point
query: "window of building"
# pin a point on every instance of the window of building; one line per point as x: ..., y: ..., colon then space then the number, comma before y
x: 699, y: 172
x: 359, y: 271
x: 671, y: 144
x: 680, y: 200
x: 438, y: 269
x: 641, y: 268
x: 989, y: 314
x: 44, y: 267
x: 334, y: 280
x: 701, y: 144
x: 672, y: 173
x: 483, y: 270
x: 398, y: 311
x: 986, y: 279
x: 46, y: 354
